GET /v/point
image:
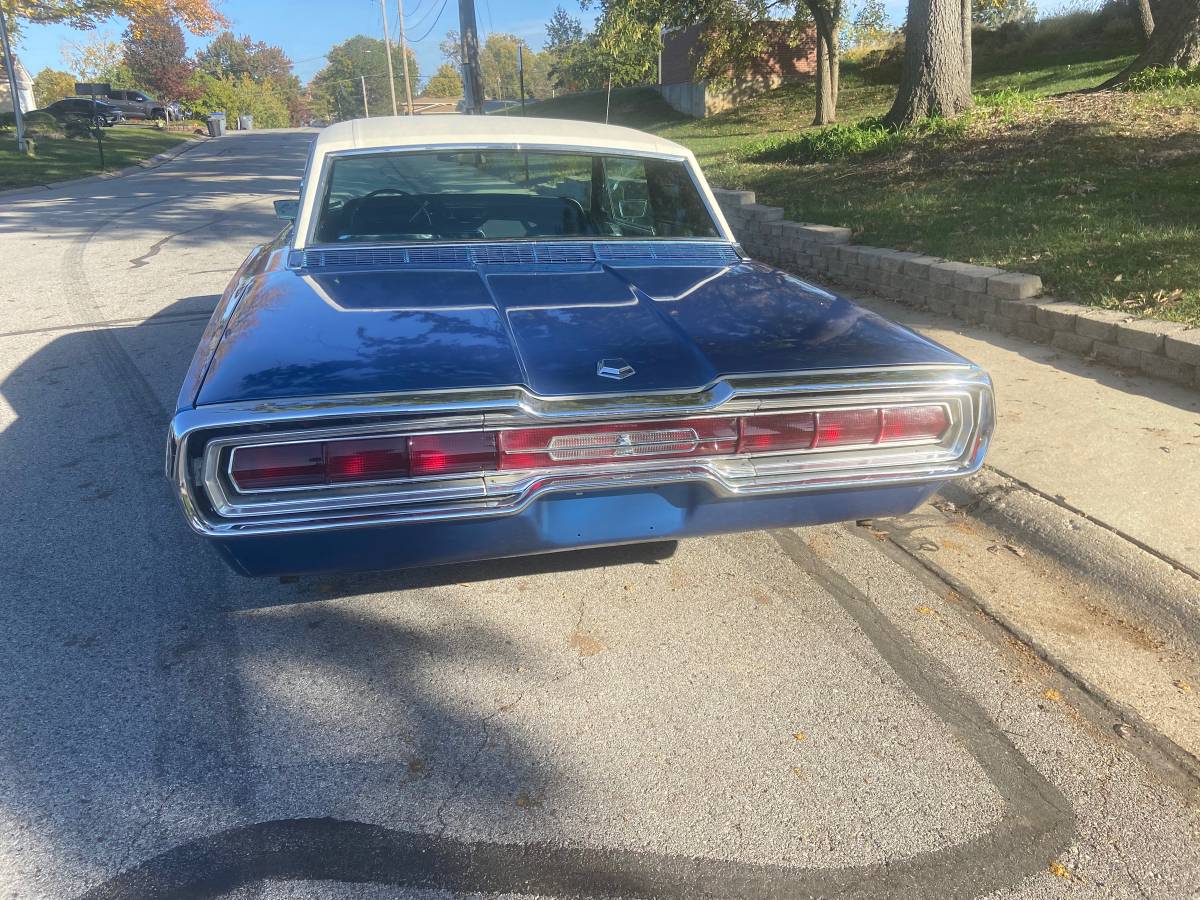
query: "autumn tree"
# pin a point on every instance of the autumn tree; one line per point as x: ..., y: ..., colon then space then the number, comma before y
x: 1174, y: 42
x: 99, y: 59
x: 50, y: 85
x: 155, y: 54
x: 446, y: 82
x: 935, y: 79
x: 197, y: 16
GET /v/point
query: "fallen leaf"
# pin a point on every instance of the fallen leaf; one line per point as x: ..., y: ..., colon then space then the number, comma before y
x: 1182, y: 685
x: 1015, y: 549
x: 924, y: 610
x: 585, y: 644
x: 800, y: 736
x: 1058, y: 870
x: 1051, y: 694
x: 527, y: 801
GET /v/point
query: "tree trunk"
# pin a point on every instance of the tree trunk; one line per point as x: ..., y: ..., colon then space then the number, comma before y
x: 933, y: 81
x: 825, y: 112
x: 967, y: 25
x: 1174, y: 42
x: 828, y: 62
x: 1145, y: 19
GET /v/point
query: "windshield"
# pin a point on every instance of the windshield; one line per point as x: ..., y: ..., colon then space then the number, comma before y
x: 491, y: 195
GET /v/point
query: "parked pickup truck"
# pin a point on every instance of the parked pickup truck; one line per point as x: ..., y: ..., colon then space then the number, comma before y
x: 136, y: 105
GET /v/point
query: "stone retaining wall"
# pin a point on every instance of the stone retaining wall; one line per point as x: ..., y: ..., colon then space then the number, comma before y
x: 1009, y: 302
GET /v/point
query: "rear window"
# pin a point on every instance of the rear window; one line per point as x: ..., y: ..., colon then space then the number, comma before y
x: 493, y: 195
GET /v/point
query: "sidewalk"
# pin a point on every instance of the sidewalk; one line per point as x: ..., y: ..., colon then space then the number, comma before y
x: 1123, y: 450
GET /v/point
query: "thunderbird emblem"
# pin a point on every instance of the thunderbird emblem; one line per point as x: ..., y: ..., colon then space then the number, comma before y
x: 616, y: 369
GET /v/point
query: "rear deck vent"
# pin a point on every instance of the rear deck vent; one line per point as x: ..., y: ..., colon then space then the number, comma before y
x: 517, y: 253
x: 667, y: 250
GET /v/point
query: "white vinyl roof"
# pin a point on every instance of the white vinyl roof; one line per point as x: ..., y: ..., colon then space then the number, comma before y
x: 403, y: 131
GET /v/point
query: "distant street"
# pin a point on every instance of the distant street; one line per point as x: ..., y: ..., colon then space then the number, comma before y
x: 768, y: 715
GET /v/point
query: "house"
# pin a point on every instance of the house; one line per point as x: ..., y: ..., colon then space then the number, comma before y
x: 24, y: 87
x: 786, y: 58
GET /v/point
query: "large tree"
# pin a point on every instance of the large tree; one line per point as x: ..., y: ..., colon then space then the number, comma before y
x: 1175, y: 41
x: 934, y: 80
x: 99, y: 59
x: 229, y: 56
x: 155, y: 54
x: 50, y: 85
x: 337, y: 88
x: 446, y: 82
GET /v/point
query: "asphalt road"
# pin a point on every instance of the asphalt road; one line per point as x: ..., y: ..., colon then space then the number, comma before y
x: 790, y: 714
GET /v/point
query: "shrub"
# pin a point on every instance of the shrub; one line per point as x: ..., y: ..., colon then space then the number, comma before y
x: 1162, y: 79
x: 1110, y: 29
x: 836, y: 142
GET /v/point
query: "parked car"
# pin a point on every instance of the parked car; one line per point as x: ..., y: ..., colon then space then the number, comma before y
x: 137, y: 105
x: 480, y: 337
x: 81, y: 108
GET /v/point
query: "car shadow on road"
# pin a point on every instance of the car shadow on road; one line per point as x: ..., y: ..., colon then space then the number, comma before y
x: 149, y: 688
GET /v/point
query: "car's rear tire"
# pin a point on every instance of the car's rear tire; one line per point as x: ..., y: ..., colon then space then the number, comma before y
x: 158, y: 114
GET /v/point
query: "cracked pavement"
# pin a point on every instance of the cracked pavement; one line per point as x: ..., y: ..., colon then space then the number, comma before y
x: 790, y: 714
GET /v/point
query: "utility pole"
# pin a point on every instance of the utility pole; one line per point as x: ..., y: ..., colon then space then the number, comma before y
x: 12, y: 82
x: 472, y: 78
x: 521, y: 73
x: 404, y: 59
x: 366, y: 109
x: 387, y: 49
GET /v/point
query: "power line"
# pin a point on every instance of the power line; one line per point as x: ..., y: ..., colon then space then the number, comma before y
x: 432, y: 25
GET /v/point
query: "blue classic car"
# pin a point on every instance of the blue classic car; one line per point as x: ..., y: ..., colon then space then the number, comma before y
x: 480, y: 337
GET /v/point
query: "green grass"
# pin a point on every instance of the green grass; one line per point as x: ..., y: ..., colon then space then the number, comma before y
x: 1099, y: 194
x: 60, y: 158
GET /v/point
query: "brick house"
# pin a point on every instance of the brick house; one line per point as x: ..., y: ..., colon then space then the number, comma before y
x: 786, y: 59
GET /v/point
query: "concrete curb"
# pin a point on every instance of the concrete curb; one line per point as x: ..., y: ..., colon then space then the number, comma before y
x: 151, y: 162
x: 1149, y: 587
x: 1008, y: 302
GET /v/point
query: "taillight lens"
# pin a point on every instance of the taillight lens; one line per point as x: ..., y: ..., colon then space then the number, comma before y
x: 278, y: 466
x: 373, y: 459
x: 354, y: 460
x: 764, y: 434
x: 452, y: 454
x: 914, y: 423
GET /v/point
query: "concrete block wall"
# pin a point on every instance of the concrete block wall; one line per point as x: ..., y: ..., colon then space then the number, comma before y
x: 1008, y: 302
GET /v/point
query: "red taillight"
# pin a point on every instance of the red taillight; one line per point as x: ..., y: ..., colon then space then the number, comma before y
x: 352, y: 460
x: 452, y: 454
x: 845, y: 427
x: 531, y: 448
x: 372, y: 459
x: 914, y: 423
x: 279, y: 466
x: 786, y: 431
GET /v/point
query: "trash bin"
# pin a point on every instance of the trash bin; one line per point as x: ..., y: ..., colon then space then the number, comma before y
x: 216, y: 124
x: 245, y: 123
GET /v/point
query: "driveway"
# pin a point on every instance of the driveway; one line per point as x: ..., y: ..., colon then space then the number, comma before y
x: 784, y: 714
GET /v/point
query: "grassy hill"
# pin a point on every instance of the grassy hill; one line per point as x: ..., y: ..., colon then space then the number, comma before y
x: 1097, y: 193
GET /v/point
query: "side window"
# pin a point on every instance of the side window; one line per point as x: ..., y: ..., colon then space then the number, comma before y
x: 116, y: 95
x: 628, y: 198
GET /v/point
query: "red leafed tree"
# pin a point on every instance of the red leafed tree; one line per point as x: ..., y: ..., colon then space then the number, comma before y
x: 155, y: 53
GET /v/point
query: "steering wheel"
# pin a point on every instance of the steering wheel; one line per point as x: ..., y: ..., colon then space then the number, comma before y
x: 385, y: 190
